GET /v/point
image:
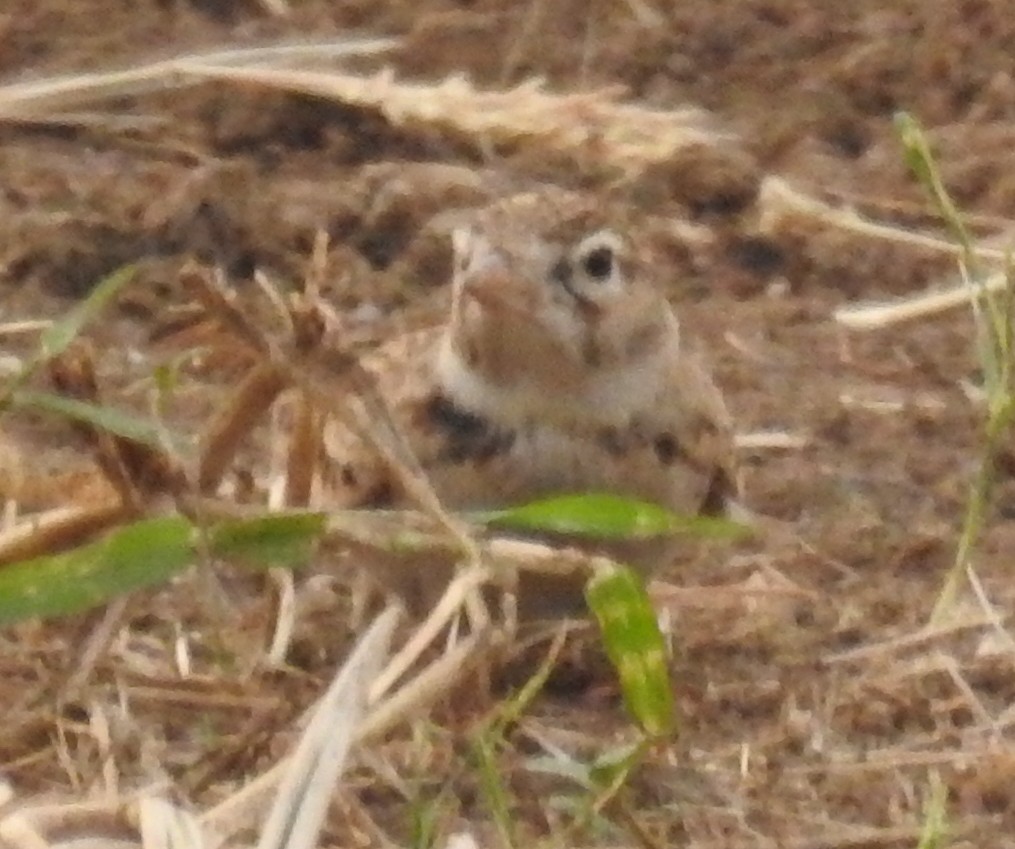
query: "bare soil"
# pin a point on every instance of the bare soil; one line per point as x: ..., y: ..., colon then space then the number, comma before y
x: 808, y: 719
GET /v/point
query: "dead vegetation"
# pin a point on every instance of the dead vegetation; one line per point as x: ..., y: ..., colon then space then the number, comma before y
x: 819, y: 705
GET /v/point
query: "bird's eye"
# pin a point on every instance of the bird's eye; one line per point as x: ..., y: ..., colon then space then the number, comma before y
x: 598, y: 255
x: 598, y: 263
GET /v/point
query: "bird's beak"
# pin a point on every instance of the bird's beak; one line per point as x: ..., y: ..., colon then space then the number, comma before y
x: 483, y: 275
x: 493, y: 291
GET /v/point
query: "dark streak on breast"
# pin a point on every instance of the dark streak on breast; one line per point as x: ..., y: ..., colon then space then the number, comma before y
x: 465, y: 435
x: 380, y: 495
x: 720, y: 488
x: 459, y: 423
x: 610, y: 440
x: 667, y: 448
x: 617, y: 443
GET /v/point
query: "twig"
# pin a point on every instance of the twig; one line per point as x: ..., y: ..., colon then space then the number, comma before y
x: 874, y: 316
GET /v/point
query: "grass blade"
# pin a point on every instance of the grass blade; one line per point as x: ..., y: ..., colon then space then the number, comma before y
x: 635, y: 646
x: 137, y: 555
x: 606, y: 516
x: 993, y: 319
x: 298, y: 812
x: 934, y: 833
x: 58, y: 336
x: 493, y: 789
x: 145, y: 553
x: 109, y: 419
x: 283, y: 539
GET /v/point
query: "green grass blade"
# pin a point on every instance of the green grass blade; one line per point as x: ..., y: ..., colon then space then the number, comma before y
x: 992, y: 314
x: 920, y: 159
x: 934, y: 833
x: 283, y: 539
x: 491, y: 782
x: 426, y: 814
x: 138, y: 555
x: 108, y: 419
x: 635, y: 646
x: 613, y: 767
x: 145, y: 553
x: 55, y: 339
x: 606, y: 516
x: 60, y: 334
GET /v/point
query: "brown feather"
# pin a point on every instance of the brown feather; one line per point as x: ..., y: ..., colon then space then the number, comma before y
x: 632, y: 410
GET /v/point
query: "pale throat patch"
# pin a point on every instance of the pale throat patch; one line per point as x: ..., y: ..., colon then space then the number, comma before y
x: 610, y: 398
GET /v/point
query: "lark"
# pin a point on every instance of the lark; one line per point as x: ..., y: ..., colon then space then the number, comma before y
x: 561, y: 368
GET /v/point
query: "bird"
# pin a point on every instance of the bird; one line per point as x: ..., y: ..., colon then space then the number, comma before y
x: 560, y: 368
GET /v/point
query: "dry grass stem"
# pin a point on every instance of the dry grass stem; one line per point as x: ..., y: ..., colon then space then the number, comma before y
x: 297, y: 814
x: 18, y: 328
x: 815, y: 708
x: 241, y: 809
x: 451, y: 602
x: 88, y: 655
x: 164, y: 825
x: 317, y: 363
x: 29, y: 824
x: 57, y: 529
x: 625, y: 137
x: 1001, y: 634
x: 40, y: 97
x: 849, y: 836
x: 771, y: 440
x: 285, y: 618
x: 911, y: 640
x: 223, y: 436
x: 778, y: 201
x: 874, y: 316
x: 436, y: 680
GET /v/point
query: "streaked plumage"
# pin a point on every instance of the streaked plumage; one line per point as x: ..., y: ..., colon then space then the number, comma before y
x: 561, y: 368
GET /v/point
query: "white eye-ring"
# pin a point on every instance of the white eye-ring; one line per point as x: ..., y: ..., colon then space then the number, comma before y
x: 596, y: 256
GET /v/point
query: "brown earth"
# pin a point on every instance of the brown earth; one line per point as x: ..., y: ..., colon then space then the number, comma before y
x: 787, y: 739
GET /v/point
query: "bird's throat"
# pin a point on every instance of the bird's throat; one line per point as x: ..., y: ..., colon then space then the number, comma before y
x: 522, y: 398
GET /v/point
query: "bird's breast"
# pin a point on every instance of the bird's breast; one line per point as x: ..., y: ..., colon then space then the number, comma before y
x: 476, y: 461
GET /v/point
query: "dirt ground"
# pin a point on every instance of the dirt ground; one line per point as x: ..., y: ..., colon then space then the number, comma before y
x: 816, y: 712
